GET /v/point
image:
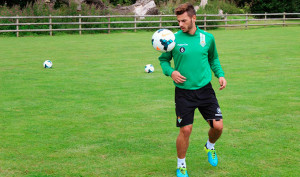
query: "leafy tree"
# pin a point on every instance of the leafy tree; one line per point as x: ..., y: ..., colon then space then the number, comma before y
x: 21, y: 3
x: 271, y: 6
x: 259, y: 6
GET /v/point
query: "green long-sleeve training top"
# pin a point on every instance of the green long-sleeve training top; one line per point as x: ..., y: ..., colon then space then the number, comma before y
x: 194, y: 57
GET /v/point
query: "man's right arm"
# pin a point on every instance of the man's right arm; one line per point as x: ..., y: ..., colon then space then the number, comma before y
x: 165, y: 64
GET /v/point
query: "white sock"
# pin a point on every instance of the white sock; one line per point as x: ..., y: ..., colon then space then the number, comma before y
x: 210, y: 145
x: 181, y: 163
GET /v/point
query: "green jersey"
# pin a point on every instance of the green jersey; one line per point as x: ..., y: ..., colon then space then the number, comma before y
x: 194, y: 57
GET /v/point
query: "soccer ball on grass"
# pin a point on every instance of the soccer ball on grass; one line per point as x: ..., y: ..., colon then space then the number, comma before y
x: 149, y: 68
x: 163, y: 40
x: 47, y: 64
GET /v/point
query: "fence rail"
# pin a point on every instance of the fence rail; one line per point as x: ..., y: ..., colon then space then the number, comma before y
x: 112, y: 22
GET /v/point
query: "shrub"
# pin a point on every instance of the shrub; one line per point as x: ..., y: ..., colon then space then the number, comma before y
x: 39, y: 8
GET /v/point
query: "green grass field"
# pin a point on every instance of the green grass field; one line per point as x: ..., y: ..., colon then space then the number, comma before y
x: 96, y: 113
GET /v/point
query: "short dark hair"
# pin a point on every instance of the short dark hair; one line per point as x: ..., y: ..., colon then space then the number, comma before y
x: 186, y: 7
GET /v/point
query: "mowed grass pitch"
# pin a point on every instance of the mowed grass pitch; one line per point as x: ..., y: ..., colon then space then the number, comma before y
x: 96, y: 113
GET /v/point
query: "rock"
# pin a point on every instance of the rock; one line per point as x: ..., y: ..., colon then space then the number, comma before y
x: 153, y: 11
x: 141, y: 7
x: 203, y: 3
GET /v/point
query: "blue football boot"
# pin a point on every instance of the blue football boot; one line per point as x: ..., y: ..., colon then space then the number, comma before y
x: 212, y: 156
x: 182, y: 172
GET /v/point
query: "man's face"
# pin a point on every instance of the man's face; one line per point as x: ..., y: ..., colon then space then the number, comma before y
x: 185, y: 22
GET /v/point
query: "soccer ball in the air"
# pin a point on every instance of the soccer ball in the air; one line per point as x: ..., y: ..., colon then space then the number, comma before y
x: 149, y: 68
x: 47, y: 64
x: 163, y: 40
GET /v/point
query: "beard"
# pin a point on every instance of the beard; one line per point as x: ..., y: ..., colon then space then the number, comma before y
x: 189, y: 27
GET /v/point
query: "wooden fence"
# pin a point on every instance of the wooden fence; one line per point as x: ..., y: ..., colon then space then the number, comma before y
x: 132, y: 22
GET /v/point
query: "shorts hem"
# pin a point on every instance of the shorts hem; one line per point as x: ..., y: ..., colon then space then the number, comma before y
x: 183, y: 125
x: 215, y: 118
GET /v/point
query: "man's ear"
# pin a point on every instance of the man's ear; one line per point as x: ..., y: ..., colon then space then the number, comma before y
x: 194, y: 18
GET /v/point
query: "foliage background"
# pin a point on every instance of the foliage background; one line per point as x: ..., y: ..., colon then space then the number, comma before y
x: 39, y: 8
x: 255, y: 6
x: 270, y: 6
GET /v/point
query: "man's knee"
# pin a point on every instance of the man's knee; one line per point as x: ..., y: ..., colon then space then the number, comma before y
x: 186, y: 130
x: 216, y: 124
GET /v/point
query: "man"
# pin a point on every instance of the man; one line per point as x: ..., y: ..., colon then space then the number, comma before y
x: 194, y: 55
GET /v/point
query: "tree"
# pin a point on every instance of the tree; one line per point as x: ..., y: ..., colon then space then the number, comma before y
x: 21, y: 3
x: 262, y: 6
x: 275, y: 6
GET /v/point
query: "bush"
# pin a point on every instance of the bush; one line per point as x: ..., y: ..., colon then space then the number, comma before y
x: 39, y: 8
x: 272, y: 6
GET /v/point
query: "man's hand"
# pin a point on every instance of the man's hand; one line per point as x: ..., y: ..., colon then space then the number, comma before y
x: 222, y: 82
x: 177, y: 77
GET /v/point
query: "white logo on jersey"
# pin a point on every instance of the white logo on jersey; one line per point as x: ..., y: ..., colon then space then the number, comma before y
x: 202, y: 40
x: 182, y: 44
x: 182, y: 49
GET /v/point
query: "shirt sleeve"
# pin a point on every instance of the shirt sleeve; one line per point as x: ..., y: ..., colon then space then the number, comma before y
x: 165, y: 64
x: 213, y: 59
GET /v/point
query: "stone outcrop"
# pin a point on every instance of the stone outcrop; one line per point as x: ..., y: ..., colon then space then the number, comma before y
x: 141, y: 7
x: 145, y: 7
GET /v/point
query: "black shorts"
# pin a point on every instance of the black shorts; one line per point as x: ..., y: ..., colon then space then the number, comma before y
x: 186, y: 101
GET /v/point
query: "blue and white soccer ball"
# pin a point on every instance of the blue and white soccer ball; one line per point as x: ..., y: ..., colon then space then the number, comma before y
x: 163, y: 40
x: 47, y: 64
x: 149, y: 68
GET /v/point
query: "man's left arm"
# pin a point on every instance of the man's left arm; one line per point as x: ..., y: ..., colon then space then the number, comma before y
x: 215, y: 65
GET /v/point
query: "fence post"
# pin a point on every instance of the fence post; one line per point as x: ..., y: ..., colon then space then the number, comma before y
x: 134, y: 23
x: 283, y: 19
x: 17, y: 22
x: 265, y: 19
x: 160, y: 21
x: 246, y: 21
x: 205, y: 21
x: 108, y: 23
x: 79, y: 20
x: 50, y: 25
x: 225, y: 20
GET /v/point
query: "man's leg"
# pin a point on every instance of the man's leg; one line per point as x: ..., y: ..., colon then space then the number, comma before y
x: 182, y: 144
x: 185, y: 109
x: 214, y: 133
x: 215, y: 130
